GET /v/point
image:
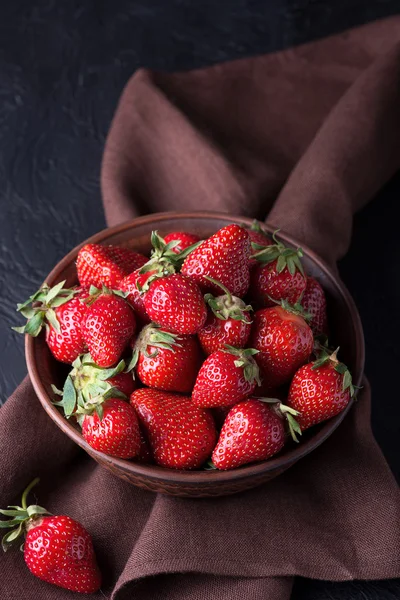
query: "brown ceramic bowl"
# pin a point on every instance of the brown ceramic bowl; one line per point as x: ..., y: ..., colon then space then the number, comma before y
x: 344, y: 319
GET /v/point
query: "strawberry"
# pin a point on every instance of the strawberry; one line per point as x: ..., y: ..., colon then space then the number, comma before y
x: 106, y: 265
x: 110, y: 426
x: 284, y: 341
x: 166, y: 361
x: 320, y: 390
x: 314, y: 303
x: 185, y: 240
x: 181, y: 435
x: 129, y: 285
x: 259, y: 240
x: 279, y: 276
x: 224, y: 257
x: 176, y: 303
x: 252, y: 432
x: 87, y: 382
x: 61, y: 311
x: 228, y: 322
x: 226, y: 377
x: 57, y: 549
x: 107, y: 327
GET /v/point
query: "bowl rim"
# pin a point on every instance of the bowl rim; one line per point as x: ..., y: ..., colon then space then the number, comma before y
x: 194, y: 478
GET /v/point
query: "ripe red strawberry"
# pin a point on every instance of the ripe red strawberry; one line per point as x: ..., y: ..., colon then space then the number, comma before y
x: 320, y: 390
x: 314, y: 303
x: 176, y: 303
x: 166, y: 361
x: 185, y: 240
x: 259, y: 240
x: 252, y: 432
x: 280, y: 275
x: 181, y: 435
x: 107, y: 327
x: 61, y: 310
x: 226, y: 377
x: 111, y: 427
x: 134, y: 297
x: 284, y: 341
x: 228, y: 322
x: 57, y: 549
x: 106, y: 265
x: 123, y: 382
x: 225, y: 258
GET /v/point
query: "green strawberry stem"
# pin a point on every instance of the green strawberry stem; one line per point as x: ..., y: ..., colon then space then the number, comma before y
x: 246, y: 361
x: 164, y: 261
x: 227, y: 306
x: 285, y: 257
x: 326, y: 356
x: 87, y: 384
x: 152, y: 335
x: 295, y: 309
x: 287, y: 413
x: 22, y: 517
x: 39, y: 308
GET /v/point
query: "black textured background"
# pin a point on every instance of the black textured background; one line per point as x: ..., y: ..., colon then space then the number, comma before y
x: 62, y: 68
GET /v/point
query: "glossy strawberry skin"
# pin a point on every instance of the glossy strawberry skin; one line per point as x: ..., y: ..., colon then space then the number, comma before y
x: 171, y: 370
x: 69, y: 343
x: 217, y: 332
x: 107, y: 328
x: 220, y: 382
x: 176, y: 303
x: 265, y: 282
x: 284, y: 341
x: 59, y: 550
x: 317, y: 394
x: 185, y: 239
x: 134, y: 297
x: 252, y: 432
x: 225, y: 258
x: 314, y: 303
x: 117, y: 434
x: 106, y: 265
x: 257, y: 237
x: 181, y: 435
x: 124, y: 382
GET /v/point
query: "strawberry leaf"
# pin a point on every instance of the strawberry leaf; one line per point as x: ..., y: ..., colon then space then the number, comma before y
x: 54, y: 291
x: 52, y: 319
x: 34, y: 325
x: 69, y: 397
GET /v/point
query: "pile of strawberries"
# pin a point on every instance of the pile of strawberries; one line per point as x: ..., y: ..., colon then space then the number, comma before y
x: 207, y: 355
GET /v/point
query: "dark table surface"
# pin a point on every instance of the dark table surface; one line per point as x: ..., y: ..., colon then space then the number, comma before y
x: 62, y: 68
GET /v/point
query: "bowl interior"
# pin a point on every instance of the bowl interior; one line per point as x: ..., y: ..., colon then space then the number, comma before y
x: 343, y: 317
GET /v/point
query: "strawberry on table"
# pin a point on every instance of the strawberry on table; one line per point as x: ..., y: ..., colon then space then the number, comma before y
x: 184, y: 238
x: 252, y: 432
x: 320, y: 390
x: 165, y: 360
x: 226, y: 377
x: 106, y: 265
x: 284, y: 341
x: 108, y: 325
x: 57, y: 549
x: 181, y: 435
x: 279, y: 276
x: 228, y: 322
x: 314, y: 303
x: 60, y: 311
x: 225, y: 258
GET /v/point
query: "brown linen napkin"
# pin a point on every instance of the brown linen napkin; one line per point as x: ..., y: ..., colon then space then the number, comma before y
x: 320, y: 121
